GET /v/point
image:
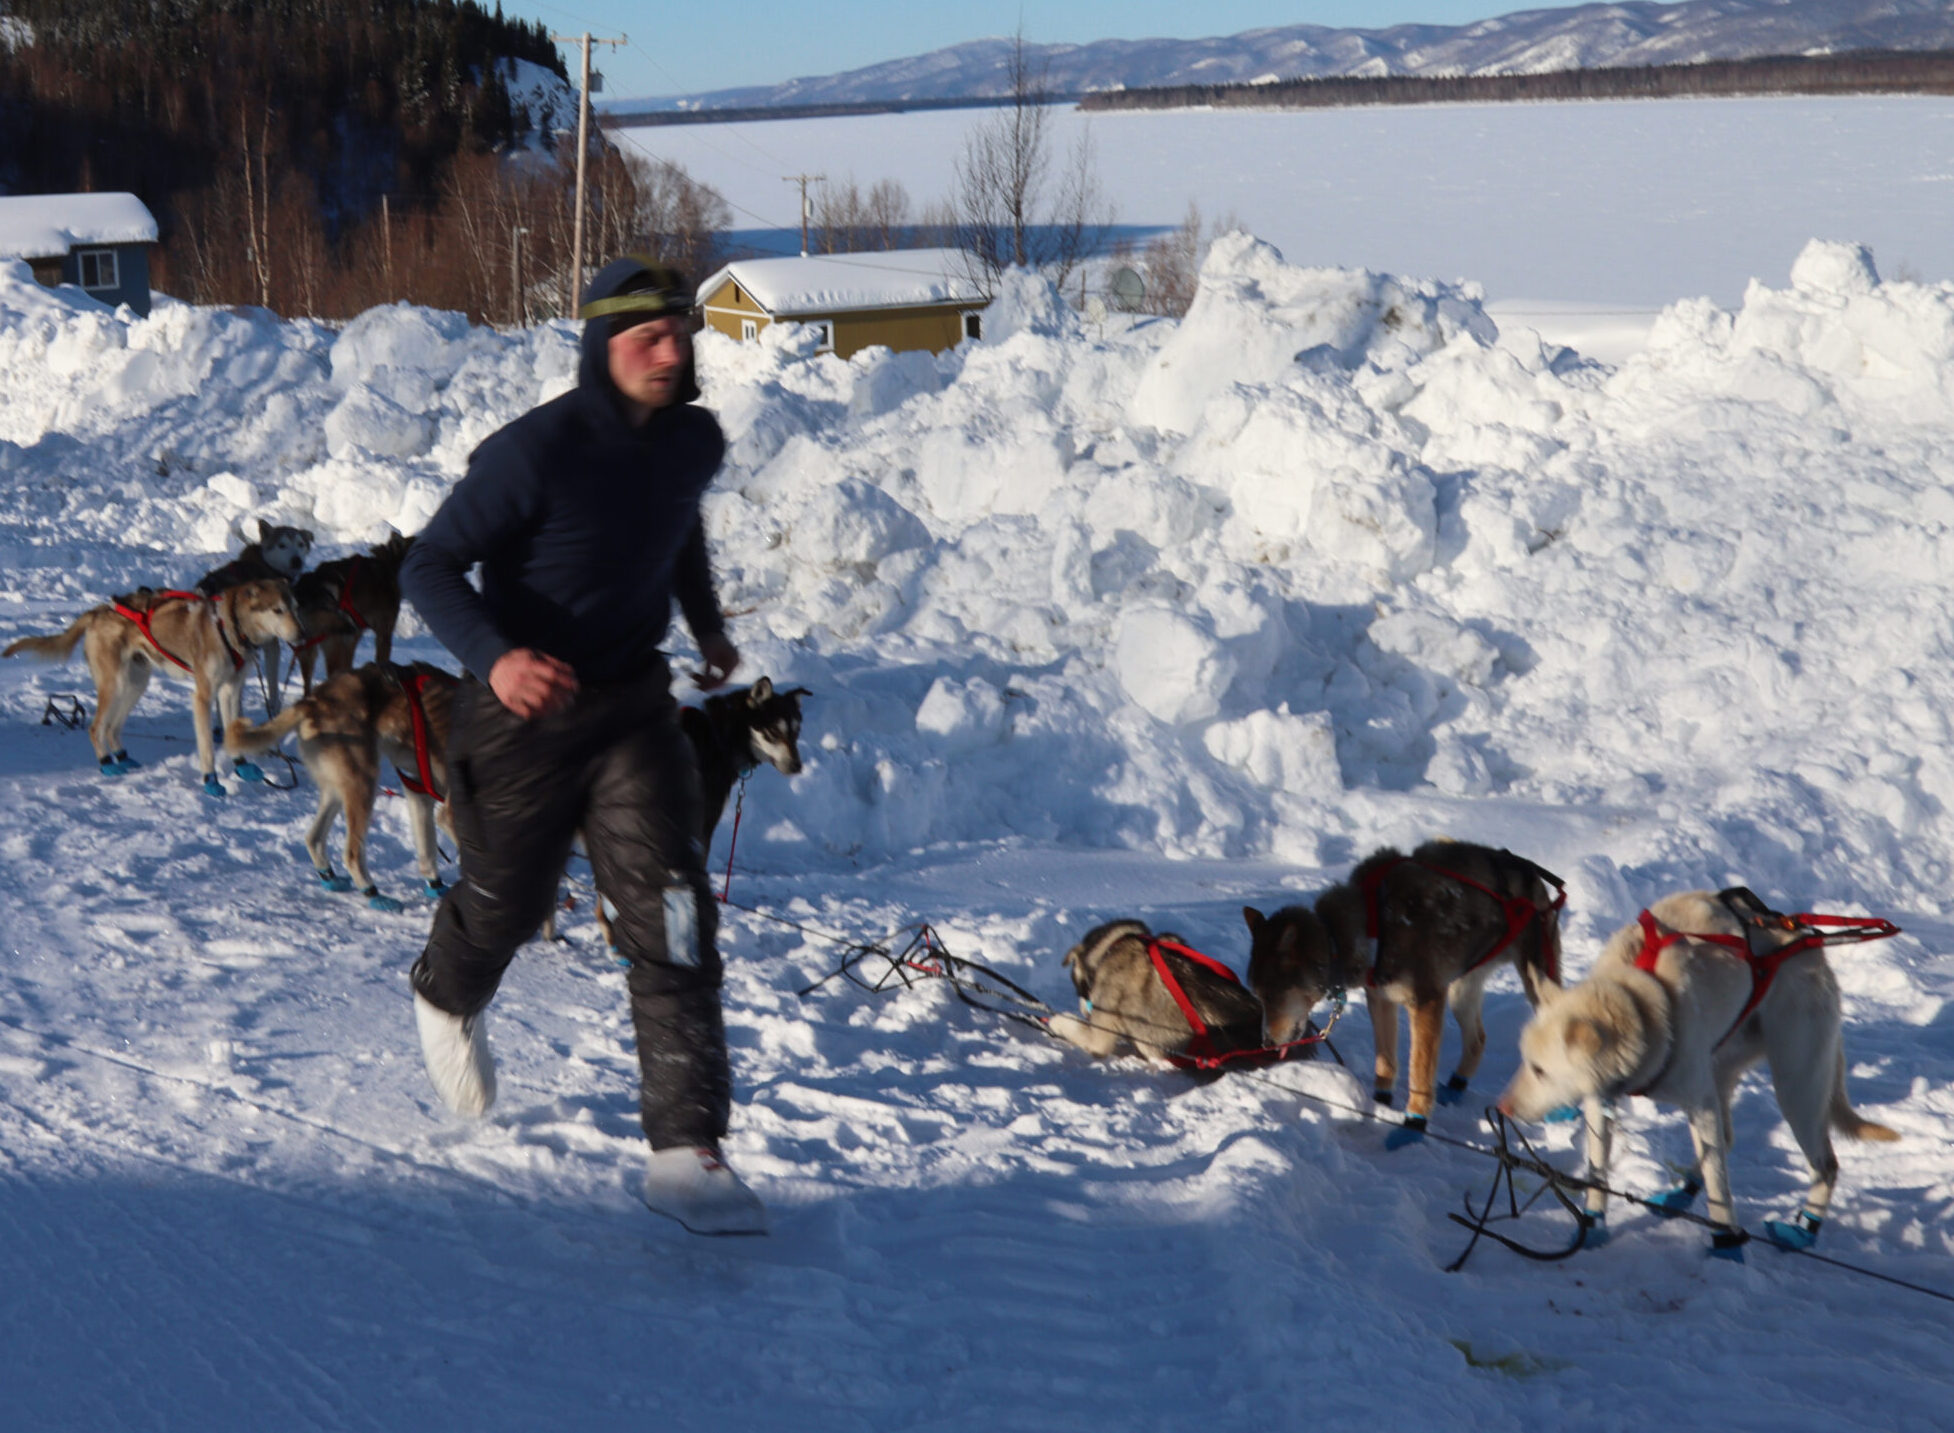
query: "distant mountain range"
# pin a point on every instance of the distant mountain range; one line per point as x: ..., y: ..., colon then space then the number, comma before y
x: 1527, y: 41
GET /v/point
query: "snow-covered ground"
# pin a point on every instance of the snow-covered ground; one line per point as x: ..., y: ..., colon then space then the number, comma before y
x: 1139, y: 618
x: 1580, y: 220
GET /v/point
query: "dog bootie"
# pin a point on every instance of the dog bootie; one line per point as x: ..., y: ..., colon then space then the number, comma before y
x: 247, y: 771
x: 455, y: 1050
x: 380, y: 902
x: 1728, y: 1244
x: 114, y: 766
x: 1453, y: 1090
x: 1595, y: 1227
x: 695, y: 1187
x: 434, y: 890
x: 333, y: 881
x: 1412, y: 1131
x: 1676, y: 1200
x: 1800, y: 1233
x: 212, y: 786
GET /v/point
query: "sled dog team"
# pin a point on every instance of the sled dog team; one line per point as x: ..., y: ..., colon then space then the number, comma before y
x: 1680, y: 1003
x: 354, y: 718
x: 1677, y: 1007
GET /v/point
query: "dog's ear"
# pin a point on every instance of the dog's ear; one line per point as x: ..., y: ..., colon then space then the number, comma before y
x: 263, y: 528
x: 762, y: 691
x: 306, y: 533
x: 1585, y: 1037
x: 1254, y: 919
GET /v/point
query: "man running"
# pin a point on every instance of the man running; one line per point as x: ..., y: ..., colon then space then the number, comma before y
x: 584, y: 516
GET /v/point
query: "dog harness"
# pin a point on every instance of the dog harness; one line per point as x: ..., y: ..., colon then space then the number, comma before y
x: 344, y: 608
x: 141, y: 617
x: 1753, y: 914
x: 1200, y: 1052
x: 413, y: 688
x: 1519, y: 911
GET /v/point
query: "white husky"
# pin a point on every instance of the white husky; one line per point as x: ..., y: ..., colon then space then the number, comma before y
x: 1681, y: 1027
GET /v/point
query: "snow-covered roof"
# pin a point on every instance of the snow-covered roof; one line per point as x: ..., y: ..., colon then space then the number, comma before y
x: 39, y: 226
x: 841, y: 283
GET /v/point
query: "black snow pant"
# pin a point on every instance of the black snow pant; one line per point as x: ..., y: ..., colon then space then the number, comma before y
x: 616, y: 766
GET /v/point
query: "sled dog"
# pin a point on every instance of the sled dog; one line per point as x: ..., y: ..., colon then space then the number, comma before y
x: 345, y: 728
x: 1681, y: 1033
x: 202, y: 640
x: 731, y: 735
x: 339, y: 600
x: 735, y: 732
x: 1423, y: 931
x: 1122, y: 997
x: 280, y: 552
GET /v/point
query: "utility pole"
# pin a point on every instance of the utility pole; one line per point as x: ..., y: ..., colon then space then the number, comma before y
x: 575, y: 285
x: 517, y: 305
x: 803, y: 180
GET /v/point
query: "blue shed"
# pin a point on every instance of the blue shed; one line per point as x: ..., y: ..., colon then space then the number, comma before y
x: 98, y: 242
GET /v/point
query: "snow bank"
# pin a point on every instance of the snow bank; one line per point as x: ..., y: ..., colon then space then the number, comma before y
x: 1180, y: 587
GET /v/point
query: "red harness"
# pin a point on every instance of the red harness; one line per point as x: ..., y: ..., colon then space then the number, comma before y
x: 1755, y: 915
x: 1518, y: 911
x: 344, y: 607
x: 417, y: 713
x: 142, y: 618
x: 1200, y: 1053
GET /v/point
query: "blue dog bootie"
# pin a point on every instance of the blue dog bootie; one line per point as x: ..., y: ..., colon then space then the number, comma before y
x: 1728, y: 1245
x: 1799, y: 1234
x: 333, y: 881
x: 1412, y: 1131
x: 248, y: 771
x: 1677, y: 1198
x: 213, y: 787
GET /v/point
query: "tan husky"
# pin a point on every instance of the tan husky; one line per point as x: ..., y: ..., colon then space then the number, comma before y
x: 345, y: 727
x: 1422, y: 931
x: 202, y: 640
x: 1675, y: 1009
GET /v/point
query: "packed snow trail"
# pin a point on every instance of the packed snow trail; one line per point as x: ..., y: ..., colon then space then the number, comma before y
x: 1156, y: 621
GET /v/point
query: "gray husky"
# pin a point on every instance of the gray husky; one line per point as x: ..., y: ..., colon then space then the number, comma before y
x: 1121, y: 997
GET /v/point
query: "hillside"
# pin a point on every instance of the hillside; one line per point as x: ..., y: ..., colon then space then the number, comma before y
x: 264, y: 136
x: 1528, y: 41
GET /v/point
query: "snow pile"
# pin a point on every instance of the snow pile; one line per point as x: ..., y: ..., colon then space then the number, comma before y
x: 1176, y: 587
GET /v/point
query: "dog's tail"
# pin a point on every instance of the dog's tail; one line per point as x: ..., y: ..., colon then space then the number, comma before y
x: 1848, y: 1121
x: 50, y: 649
x: 241, y: 738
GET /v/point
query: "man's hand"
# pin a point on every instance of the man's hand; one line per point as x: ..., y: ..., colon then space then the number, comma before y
x: 531, y: 683
x: 721, y: 658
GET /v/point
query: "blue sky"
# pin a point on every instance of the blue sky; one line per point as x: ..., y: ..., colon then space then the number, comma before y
x: 682, y: 49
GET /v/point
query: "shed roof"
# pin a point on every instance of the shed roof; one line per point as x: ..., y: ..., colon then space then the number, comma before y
x: 842, y: 283
x: 39, y: 226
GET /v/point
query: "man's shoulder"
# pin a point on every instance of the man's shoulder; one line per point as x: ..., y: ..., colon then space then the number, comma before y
x: 521, y: 441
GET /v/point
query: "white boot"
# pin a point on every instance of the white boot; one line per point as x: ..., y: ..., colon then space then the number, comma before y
x: 457, y: 1056
x: 695, y: 1187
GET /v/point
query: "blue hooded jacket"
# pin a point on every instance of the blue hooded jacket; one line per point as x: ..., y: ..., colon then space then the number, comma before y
x: 586, y: 527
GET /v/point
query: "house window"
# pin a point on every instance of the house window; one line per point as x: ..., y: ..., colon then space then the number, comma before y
x: 98, y: 269
x: 749, y: 330
x: 826, y: 329
x: 973, y: 325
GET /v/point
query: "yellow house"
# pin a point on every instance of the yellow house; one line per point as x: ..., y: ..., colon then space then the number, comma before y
x: 900, y: 298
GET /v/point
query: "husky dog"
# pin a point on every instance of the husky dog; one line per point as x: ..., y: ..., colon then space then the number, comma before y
x: 345, y: 728
x: 200, y: 639
x: 1423, y: 931
x: 1293, y: 967
x: 731, y: 734
x: 280, y: 552
x: 1668, y: 1033
x: 1121, y: 996
x: 340, y: 600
